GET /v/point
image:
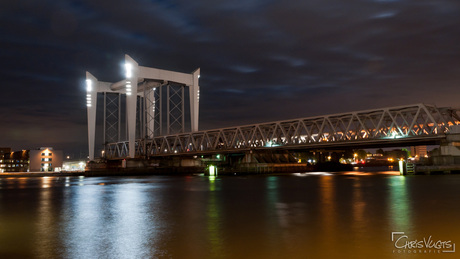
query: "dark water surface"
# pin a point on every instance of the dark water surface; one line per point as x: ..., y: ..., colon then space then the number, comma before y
x: 307, y: 215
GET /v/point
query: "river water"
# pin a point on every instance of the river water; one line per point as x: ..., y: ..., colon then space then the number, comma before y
x: 354, y: 214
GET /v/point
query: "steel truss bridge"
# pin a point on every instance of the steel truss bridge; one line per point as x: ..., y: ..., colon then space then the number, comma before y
x: 404, y: 125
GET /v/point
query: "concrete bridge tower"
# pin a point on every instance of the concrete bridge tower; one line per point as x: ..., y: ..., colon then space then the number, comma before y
x: 155, y: 104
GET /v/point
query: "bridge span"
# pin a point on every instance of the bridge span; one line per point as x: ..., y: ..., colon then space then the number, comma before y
x: 394, y: 126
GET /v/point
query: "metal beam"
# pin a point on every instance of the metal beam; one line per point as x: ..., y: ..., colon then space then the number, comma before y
x: 402, y: 124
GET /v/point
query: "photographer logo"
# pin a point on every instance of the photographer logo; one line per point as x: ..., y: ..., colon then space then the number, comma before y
x: 403, y: 243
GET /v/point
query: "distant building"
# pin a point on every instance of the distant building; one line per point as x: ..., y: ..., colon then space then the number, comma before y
x: 17, y: 161
x: 40, y: 160
x: 4, y: 150
x: 46, y: 159
x: 74, y: 165
x: 418, y: 151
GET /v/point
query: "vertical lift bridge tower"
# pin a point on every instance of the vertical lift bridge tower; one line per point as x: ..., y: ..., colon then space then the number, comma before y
x: 142, y: 91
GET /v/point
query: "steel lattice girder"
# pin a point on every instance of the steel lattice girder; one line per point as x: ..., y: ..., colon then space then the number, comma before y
x: 176, y: 108
x: 404, y: 122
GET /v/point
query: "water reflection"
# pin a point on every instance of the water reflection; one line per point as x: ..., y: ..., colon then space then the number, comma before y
x: 327, y: 213
x: 214, y: 221
x: 400, y: 211
x: 275, y: 211
x: 333, y: 215
x: 45, y: 219
x: 84, y: 221
x: 361, y: 220
x: 99, y: 213
x: 359, y: 206
x: 130, y: 219
x: 312, y: 173
x: 46, y: 181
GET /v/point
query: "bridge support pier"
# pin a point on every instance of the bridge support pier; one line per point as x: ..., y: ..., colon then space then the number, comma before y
x: 268, y: 162
x: 449, y: 150
x: 446, y: 159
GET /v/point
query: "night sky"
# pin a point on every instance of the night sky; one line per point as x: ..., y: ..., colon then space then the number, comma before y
x: 260, y: 60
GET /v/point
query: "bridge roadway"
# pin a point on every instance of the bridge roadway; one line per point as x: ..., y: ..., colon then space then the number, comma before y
x: 418, y: 124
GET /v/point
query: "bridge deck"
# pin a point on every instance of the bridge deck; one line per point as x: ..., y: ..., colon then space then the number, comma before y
x: 402, y: 125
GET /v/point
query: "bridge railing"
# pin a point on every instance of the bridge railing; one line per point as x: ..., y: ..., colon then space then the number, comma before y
x: 414, y: 121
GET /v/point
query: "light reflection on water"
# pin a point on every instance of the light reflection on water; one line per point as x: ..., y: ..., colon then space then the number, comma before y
x: 322, y: 214
x: 400, y: 211
x: 214, y: 220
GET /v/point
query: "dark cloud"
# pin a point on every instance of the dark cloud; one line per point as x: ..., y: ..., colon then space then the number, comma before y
x: 260, y: 60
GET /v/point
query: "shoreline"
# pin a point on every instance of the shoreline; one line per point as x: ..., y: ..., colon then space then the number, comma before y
x: 39, y: 174
x: 120, y: 172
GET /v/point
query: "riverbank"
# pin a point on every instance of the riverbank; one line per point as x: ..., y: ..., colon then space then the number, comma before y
x: 40, y: 174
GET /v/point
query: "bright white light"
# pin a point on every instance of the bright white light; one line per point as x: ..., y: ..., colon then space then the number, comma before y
x: 128, y: 88
x: 198, y: 76
x: 212, y: 170
x: 89, y: 86
x: 128, y: 68
x: 88, y: 105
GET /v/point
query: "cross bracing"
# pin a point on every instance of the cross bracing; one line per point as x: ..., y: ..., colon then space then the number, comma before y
x: 175, y: 107
x: 150, y: 105
x: 112, y: 103
x: 396, y: 124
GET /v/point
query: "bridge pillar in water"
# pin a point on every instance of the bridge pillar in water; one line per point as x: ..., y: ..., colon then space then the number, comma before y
x: 249, y: 158
x: 335, y: 157
x: 321, y: 157
x: 448, y: 152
